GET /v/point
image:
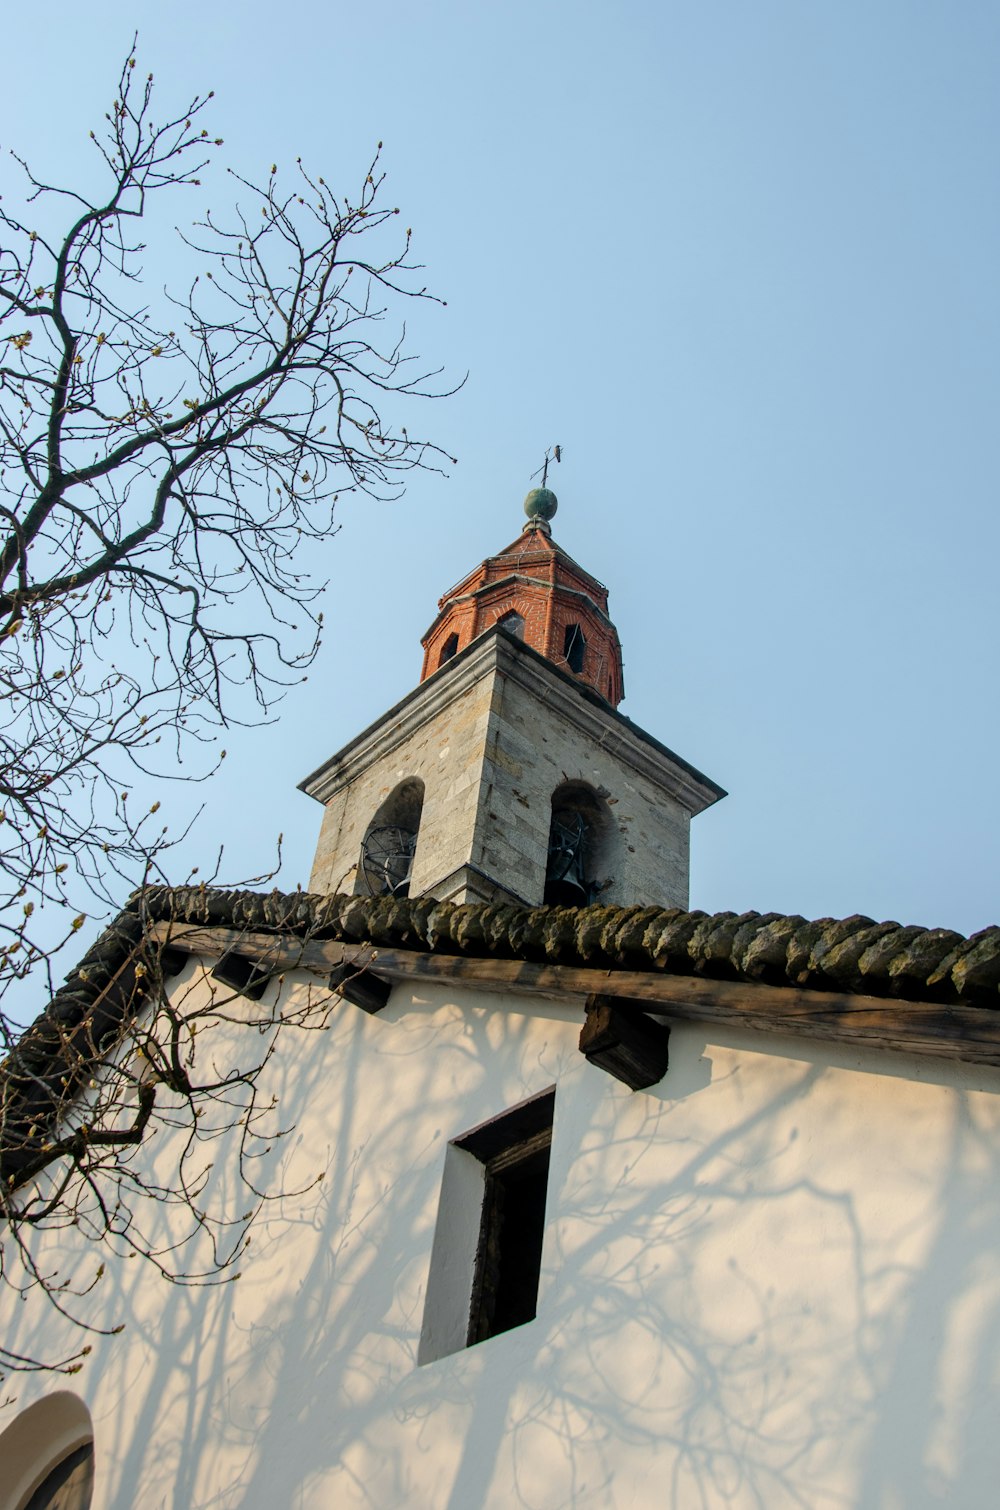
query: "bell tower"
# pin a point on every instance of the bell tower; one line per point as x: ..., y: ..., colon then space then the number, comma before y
x: 508, y: 773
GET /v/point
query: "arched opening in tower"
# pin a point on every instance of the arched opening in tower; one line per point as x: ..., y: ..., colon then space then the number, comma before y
x: 581, y: 846
x: 390, y: 843
x: 512, y: 623
x: 448, y: 649
x: 574, y: 647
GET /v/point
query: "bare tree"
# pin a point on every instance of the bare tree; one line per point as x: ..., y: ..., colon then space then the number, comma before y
x: 122, y: 1052
x: 161, y: 467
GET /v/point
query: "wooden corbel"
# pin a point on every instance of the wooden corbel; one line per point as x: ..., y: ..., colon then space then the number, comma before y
x: 359, y: 985
x: 619, y: 1037
x: 243, y: 974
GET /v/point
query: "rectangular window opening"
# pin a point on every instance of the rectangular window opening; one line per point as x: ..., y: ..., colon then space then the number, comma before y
x: 487, y: 1252
x: 514, y: 1151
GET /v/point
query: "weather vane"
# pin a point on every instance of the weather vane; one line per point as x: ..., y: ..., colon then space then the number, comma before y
x: 552, y: 453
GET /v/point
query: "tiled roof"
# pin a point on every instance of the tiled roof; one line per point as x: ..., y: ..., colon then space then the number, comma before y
x: 853, y: 955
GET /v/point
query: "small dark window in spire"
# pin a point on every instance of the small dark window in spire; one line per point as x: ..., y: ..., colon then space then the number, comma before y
x: 574, y: 646
x: 513, y: 624
x: 448, y: 649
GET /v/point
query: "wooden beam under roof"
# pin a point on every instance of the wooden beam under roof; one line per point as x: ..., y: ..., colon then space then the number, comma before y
x: 971, y: 1034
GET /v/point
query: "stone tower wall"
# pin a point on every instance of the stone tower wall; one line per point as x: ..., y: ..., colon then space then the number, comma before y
x: 492, y: 737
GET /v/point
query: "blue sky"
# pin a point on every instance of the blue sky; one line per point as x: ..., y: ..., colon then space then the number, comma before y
x: 740, y: 261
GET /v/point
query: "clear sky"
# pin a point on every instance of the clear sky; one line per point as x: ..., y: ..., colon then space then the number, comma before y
x: 741, y: 261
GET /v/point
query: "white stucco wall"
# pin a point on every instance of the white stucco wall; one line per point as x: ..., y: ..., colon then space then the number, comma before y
x: 773, y: 1280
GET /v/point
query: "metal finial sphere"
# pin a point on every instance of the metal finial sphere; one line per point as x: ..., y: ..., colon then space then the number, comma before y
x: 541, y: 503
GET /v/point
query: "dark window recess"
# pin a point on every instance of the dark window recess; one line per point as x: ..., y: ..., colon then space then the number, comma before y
x: 390, y: 842
x: 566, y: 883
x: 69, y: 1486
x: 582, y: 841
x: 512, y: 623
x: 449, y: 649
x: 387, y: 859
x: 515, y: 1150
x: 574, y: 646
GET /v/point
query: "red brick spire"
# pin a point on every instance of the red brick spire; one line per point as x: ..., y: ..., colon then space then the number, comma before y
x: 540, y: 594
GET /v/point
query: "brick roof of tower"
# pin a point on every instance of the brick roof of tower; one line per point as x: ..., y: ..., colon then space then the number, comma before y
x: 551, y: 602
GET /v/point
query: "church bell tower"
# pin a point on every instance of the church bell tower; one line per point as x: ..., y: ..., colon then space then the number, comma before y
x: 508, y: 774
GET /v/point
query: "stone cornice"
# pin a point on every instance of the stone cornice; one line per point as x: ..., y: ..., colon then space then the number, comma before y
x: 427, y: 700
x: 593, y: 717
x: 498, y: 653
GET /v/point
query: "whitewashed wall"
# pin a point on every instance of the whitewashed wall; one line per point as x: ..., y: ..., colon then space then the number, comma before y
x: 774, y: 1280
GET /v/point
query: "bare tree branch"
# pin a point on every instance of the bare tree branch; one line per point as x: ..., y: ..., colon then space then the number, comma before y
x: 165, y: 466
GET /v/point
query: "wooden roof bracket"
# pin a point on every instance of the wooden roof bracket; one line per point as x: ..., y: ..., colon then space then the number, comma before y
x: 359, y: 985
x: 243, y: 973
x: 941, y: 1030
x: 619, y: 1038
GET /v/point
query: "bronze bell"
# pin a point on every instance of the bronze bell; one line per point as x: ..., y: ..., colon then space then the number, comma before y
x: 566, y: 882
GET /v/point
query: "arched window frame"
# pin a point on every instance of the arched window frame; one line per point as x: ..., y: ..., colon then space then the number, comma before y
x: 573, y: 802
x: 512, y: 623
x: 53, y: 1436
x: 396, y: 820
x: 574, y: 647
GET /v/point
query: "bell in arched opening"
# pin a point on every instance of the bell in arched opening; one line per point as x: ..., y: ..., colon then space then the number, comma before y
x: 580, y: 846
x: 566, y: 882
x: 390, y: 843
x: 387, y: 859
